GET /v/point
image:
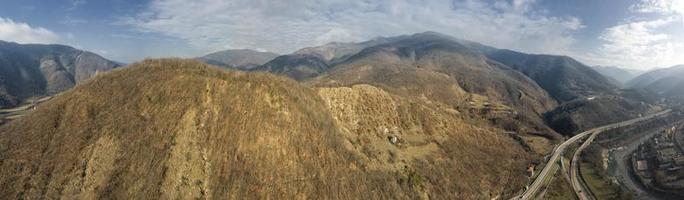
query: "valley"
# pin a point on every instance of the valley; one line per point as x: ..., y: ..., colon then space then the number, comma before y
x: 586, y: 138
x: 9, y: 114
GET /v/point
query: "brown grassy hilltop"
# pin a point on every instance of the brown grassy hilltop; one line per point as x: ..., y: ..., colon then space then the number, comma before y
x: 167, y: 129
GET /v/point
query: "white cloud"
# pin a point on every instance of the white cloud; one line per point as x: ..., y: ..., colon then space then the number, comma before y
x: 659, y: 6
x: 23, y: 33
x: 75, y: 4
x: 640, y: 43
x: 334, y: 34
x: 285, y: 26
x: 663, y: 7
x: 636, y: 34
x: 645, y: 42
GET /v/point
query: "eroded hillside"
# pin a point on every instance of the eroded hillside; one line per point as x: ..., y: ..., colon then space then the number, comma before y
x: 192, y: 131
x: 434, y: 69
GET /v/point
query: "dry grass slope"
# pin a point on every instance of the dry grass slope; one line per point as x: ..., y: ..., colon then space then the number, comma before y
x: 179, y: 129
x: 456, y: 160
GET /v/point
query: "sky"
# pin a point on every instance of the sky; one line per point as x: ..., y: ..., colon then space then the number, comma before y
x: 635, y: 34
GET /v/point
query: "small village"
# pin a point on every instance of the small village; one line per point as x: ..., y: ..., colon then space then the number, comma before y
x: 659, y: 163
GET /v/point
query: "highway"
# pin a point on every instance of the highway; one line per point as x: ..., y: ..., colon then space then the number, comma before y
x: 556, y: 154
x: 578, y: 185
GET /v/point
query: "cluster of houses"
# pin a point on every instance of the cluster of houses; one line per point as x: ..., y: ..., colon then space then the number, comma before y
x: 659, y: 163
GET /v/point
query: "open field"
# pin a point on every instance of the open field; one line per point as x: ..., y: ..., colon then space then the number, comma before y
x: 601, y: 188
x: 559, y: 189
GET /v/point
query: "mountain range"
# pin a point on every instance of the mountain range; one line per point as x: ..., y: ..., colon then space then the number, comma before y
x: 562, y: 78
x: 620, y: 75
x: 407, y: 117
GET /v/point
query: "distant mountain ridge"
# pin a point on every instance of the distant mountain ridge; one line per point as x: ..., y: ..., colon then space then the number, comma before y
x: 667, y: 82
x: 563, y: 77
x: 655, y: 75
x: 622, y: 76
x: 296, y: 66
x: 243, y: 59
x: 586, y: 98
x: 569, y: 78
x: 310, y: 62
x: 336, y: 51
x: 28, y: 70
